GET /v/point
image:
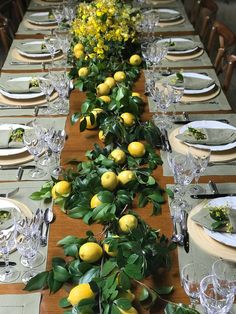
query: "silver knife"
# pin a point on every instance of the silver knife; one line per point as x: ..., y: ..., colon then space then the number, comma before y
x: 213, y: 187
x: 2, y: 107
x: 168, y: 146
x: 17, y: 167
x: 210, y: 196
x: 3, y: 264
x: 189, y: 121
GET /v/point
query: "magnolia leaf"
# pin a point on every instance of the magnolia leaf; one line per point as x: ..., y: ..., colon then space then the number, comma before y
x: 144, y: 294
x: 164, y: 290
x: 170, y: 193
x: 71, y: 250
x: 68, y: 240
x: 58, y: 261
x: 115, y: 309
x: 105, y: 196
x: 132, y: 259
x: 124, y: 281
x: 83, y: 124
x: 37, y: 282
x: 157, y: 197
x: 79, y: 84
x: 75, y: 117
x: 124, y: 304
x: 64, y: 303
x: 53, y: 284
x: 108, y: 267
x: 68, y: 312
x: 60, y: 273
x: 89, y: 275
x: 133, y: 271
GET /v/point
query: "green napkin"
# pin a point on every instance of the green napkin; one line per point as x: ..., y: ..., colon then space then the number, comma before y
x: 19, y: 87
x: 208, y: 136
x: 181, y: 45
x: 42, y: 18
x: 204, y: 219
x: 7, y: 142
x: 34, y: 48
x: 167, y: 16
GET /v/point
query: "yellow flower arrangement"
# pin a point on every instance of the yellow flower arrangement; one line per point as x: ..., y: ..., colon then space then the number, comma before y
x: 104, y: 25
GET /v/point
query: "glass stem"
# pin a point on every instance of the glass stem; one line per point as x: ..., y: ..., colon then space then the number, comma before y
x: 7, y: 267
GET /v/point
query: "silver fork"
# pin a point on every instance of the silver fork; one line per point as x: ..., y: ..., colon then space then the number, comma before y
x: 10, y: 193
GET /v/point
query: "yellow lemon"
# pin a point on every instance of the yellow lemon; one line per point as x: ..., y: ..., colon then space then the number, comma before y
x: 136, y: 149
x: 106, y: 248
x: 95, y: 201
x: 103, y: 89
x: 135, y: 60
x: 83, y: 72
x: 101, y: 136
x: 105, y: 98
x: 79, y: 54
x: 90, y: 252
x: 80, y: 292
x: 91, y: 125
x: 119, y: 76
x: 132, y: 310
x: 128, y: 223
x: 136, y: 94
x: 61, y: 188
x: 109, y: 180
x: 110, y: 81
x: 126, y: 176
x: 118, y: 155
x: 78, y: 46
x: 128, y: 118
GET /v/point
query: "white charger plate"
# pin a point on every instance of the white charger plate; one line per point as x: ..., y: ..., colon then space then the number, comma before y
x: 178, y: 39
x: 223, y: 237
x: 209, y: 125
x: 21, y: 96
x: 34, y: 55
x: 38, y: 14
x: 199, y: 76
x: 177, y: 14
x: 4, y: 205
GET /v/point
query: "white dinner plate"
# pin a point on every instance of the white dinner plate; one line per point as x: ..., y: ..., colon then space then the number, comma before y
x: 178, y: 39
x: 21, y: 96
x: 34, y: 55
x: 199, y: 76
x: 12, y: 151
x: 40, y: 14
x: 7, y: 205
x: 209, y: 125
x: 223, y: 237
x: 176, y: 14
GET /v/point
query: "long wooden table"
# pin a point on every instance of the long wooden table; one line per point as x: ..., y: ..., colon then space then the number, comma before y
x: 76, y: 146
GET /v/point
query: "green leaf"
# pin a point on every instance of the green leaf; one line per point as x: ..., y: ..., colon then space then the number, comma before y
x: 83, y: 125
x: 172, y: 308
x: 170, y: 193
x: 164, y: 290
x: 37, y: 282
x: 71, y: 250
x: 108, y: 267
x: 64, y: 303
x: 61, y: 274
x: 144, y: 294
x: 105, y: 197
x: 124, y: 304
x: 53, y: 284
x: 133, y: 271
x: 124, y: 281
x: 89, y: 275
x: 67, y: 240
x: 58, y: 261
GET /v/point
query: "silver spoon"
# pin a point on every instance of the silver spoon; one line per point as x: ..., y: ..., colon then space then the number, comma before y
x: 48, y: 218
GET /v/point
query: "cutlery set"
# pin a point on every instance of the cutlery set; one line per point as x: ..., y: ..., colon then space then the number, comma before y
x: 165, y: 143
x: 181, y: 237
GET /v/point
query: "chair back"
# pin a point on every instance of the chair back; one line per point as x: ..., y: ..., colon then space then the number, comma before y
x: 228, y: 72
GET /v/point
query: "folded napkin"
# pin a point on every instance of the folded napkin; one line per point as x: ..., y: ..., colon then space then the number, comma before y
x: 209, y: 137
x: 204, y: 219
x: 19, y: 87
x: 181, y: 45
x: 8, y: 140
x: 42, y: 18
x: 167, y: 16
x: 34, y: 48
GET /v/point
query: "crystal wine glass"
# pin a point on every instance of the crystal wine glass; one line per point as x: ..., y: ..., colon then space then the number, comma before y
x: 7, y: 244
x: 64, y: 39
x: 56, y: 143
x: 200, y: 159
x: 224, y: 279
x: 214, y: 301
x: 59, y: 14
x: 47, y: 88
x: 51, y: 44
x: 191, y: 276
x: 35, y: 146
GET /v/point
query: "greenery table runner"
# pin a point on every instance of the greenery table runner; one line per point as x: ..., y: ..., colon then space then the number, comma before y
x: 22, y: 196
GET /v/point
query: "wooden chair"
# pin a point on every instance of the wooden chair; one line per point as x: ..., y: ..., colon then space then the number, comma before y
x: 6, y: 38
x: 11, y: 9
x: 206, y: 14
x: 228, y: 72
x: 222, y: 42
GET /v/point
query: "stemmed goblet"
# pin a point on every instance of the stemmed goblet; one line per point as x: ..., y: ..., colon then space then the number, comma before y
x: 35, y: 146
x: 215, y: 301
x: 47, y: 88
x: 50, y: 42
x: 59, y: 14
x: 56, y: 144
x: 200, y: 160
x: 7, y: 244
x: 191, y: 276
x: 224, y: 273
x: 64, y: 39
